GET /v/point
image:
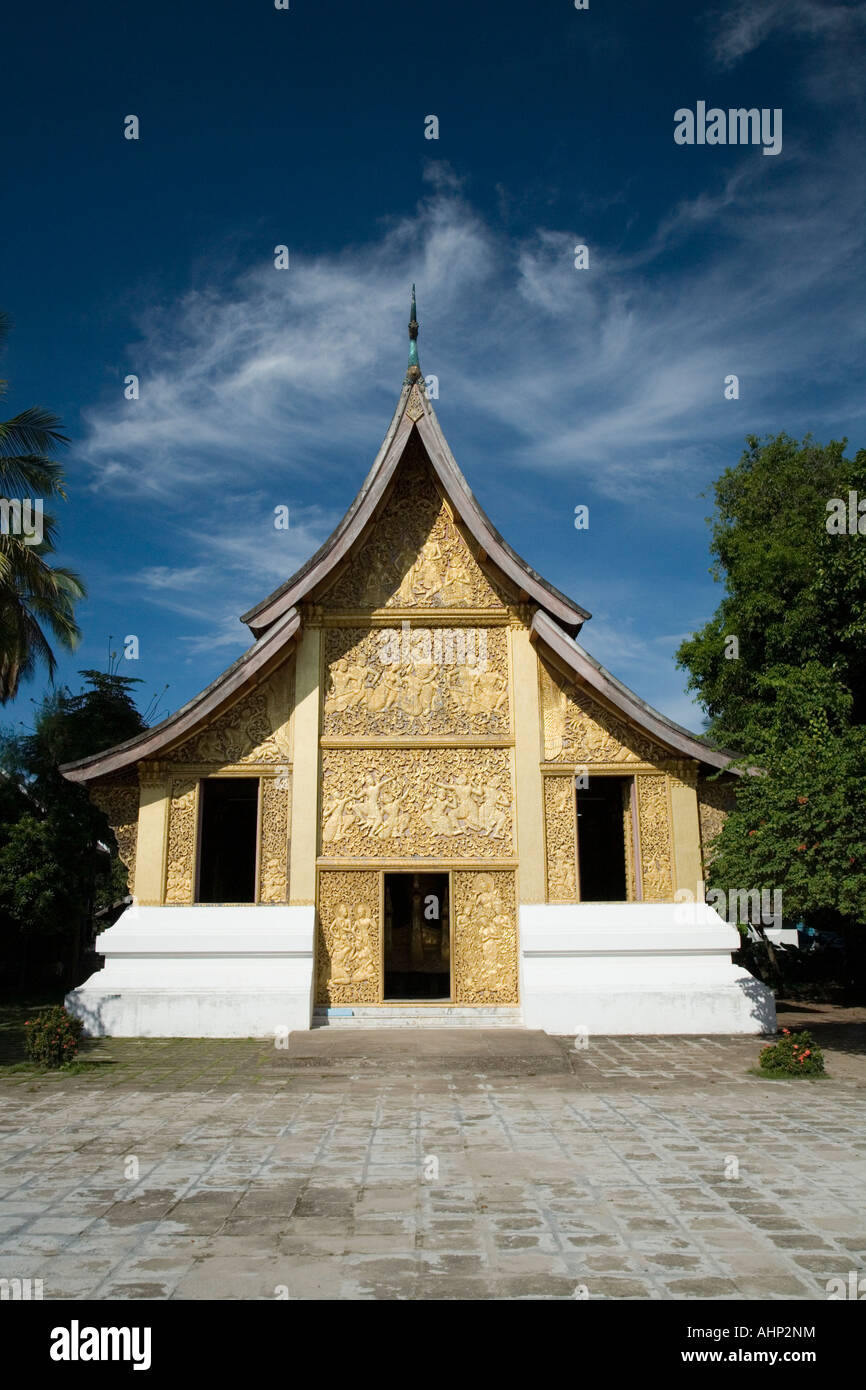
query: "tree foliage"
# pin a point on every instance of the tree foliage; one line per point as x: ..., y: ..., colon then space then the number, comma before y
x: 52, y: 875
x: 793, y: 699
x: 34, y: 595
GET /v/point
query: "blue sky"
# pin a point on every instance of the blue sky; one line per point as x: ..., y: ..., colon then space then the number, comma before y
x: 557, y: 386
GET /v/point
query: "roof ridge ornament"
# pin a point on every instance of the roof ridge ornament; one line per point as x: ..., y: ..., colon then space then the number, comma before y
x: 414, y: 371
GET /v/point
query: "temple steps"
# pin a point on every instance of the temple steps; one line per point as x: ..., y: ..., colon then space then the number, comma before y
x: 418, y: 1016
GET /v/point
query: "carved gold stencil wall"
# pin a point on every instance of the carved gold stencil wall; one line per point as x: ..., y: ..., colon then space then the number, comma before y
x: 276, y: 799
x: 580, y: 729
x: 416, y: 556
x: 484, y: 913
x: 253, y: 733
x: 431, y: 803
x: 119, y: 803
x: 654, y: 828
x: 182, y: 818
x: 715, y: 801
x: 348, y: 937
x: 560, y: 815
x: 385, y: 683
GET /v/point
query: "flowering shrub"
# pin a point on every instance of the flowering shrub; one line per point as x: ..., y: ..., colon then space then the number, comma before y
x: 795, y: 1054
x: 52, y: 1036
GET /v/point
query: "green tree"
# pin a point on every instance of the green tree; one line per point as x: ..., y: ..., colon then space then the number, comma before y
x: 791, y: 695
x: 34, y: 595
x: 52, y: 873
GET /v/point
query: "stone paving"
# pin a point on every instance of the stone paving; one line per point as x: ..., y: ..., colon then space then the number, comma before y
x: 424, y: 1165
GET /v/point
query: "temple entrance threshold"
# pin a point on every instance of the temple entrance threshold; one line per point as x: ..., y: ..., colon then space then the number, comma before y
x: 417, y: 937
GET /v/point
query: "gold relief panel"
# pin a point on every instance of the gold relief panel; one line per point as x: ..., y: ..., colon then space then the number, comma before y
x: 484, y: 917
x: 416, y: 556
x: 348, y: 937
x: 654, y: 827
x: 254, y: 730
x: 182, y: 816
x: 276, y: 795
x: 434, y: 803
x: 119, y: 802
x: 579, y: 729
x: 389, y: 682
x: 715, y: 801
x: 560, y: 822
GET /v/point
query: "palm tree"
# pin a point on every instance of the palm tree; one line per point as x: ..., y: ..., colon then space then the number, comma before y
x: 34, y: 595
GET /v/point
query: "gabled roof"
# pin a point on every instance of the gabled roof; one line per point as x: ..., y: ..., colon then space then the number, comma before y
x: 276, y: 620
x: 255, y: 662
x: 590, y: 672
x: 414, y: 413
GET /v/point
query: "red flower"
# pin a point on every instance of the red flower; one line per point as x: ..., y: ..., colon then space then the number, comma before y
x: 787, y: 1032
x: 802, y: 800
x: 801, y: 847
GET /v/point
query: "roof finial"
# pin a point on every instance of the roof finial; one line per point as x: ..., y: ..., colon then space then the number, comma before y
x: 414, y: 369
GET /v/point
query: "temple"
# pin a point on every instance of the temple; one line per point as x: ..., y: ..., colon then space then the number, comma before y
x: 416, y: 800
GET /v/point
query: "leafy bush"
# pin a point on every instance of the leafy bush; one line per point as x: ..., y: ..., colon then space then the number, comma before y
x: 796, y: 1054
x: 52, y: 1036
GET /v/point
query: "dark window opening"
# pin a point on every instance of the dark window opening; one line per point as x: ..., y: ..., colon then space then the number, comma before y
x: 227, y: 840
x: 601, y: 829
x: 417, y: 937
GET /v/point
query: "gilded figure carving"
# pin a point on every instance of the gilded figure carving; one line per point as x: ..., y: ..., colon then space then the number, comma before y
x: 273, y: 858
x: 579, y: 729
x: 416, y: 802
x: 560, y: 814
x: 254, y: 730
x: 485, y: 937
x: 386, y: 682
x: 416, y: 556
x: 347, y: 953
x: 656, y: 858
x: 180, y: 876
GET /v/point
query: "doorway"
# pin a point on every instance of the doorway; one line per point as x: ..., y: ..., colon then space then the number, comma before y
x: 417, y: 937
x: 228, y: 837
x: 601, y: 850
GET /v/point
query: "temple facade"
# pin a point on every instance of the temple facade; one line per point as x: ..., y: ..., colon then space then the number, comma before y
x: 414, y: 800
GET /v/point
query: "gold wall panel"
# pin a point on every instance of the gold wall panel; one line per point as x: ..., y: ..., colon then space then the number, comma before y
x: 715, y: 801
x: 656, y: 851
x: 370, y: 694
x: 118, y: 802
x: 433, y: 803
x: 416, y: 556
x: 560, y: 820
x: 579, y: 729
x: 276, y: 800
x: 348, y: 937
x: 484, y: 947
x: 254, y: 730
x: 182, y: 815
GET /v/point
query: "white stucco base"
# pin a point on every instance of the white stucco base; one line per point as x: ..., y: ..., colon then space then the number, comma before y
x: 613, y: 968
x: 201, y: 972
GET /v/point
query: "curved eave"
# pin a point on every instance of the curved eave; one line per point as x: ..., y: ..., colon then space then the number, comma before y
x: 362, y: 511
x: 197, y: 712
x: 664, y: 730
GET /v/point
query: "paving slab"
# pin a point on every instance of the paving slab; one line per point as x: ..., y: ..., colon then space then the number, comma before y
x: 502, y: 1164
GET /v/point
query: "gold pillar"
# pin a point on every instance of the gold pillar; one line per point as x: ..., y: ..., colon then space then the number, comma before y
x: 686, y: 829
x: 305, y: 769
x: 529, y: 795
x: 153, y: 807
